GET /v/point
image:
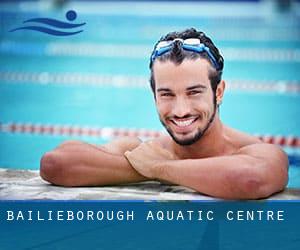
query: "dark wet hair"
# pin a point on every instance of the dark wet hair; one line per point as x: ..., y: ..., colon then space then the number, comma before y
x: 177, y: 55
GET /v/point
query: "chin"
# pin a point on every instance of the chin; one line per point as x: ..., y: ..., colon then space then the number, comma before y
x: 186, y: 140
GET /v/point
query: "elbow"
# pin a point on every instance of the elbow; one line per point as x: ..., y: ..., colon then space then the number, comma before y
x: 255, y: 188
x: 52, y: 169
x: 49, y: 168
x: 245, y: 188
x: 261, y: 185
x: 253, y: 184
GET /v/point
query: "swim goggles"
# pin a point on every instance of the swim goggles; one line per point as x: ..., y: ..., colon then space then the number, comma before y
x: 190, y: 44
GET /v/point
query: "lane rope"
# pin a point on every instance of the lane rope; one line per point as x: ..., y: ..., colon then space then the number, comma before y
x: 139, y: 51
x: 109, y: 132
x: 120, y: 81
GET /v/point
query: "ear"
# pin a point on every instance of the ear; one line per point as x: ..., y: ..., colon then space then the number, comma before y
x: 220, y: 92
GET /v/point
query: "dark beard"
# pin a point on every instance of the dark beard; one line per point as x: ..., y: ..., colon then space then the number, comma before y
x: 196, y: 137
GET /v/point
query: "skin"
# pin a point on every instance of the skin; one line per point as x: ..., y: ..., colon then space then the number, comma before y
x: 223, y: 162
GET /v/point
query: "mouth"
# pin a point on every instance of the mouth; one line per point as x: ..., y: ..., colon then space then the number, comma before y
x: 184, y: 125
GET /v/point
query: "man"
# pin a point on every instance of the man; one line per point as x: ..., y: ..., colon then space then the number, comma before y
x: 200, y: 151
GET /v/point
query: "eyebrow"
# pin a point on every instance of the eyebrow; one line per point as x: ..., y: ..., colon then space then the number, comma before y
x: 198, y: 86
x: 164, y: 89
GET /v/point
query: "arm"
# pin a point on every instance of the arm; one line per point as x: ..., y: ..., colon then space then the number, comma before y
x: 76, y: 163
x: 256, y: 171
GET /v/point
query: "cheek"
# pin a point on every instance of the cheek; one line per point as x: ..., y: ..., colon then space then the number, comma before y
x: 204, y: 106
x: 163, y: 107
x: 199, y: 102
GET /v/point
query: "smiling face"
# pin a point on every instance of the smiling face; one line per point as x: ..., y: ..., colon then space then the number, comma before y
x: 184, y: 98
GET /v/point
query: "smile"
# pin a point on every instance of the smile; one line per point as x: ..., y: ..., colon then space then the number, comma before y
x: 184, y: 123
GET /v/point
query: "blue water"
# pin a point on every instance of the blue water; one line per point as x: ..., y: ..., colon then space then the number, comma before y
x: 132, y: 107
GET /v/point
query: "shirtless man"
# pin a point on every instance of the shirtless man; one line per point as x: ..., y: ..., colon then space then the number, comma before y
x: 200, y: 152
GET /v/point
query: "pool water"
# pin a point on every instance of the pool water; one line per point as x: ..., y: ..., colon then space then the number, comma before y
x: 100, y: 76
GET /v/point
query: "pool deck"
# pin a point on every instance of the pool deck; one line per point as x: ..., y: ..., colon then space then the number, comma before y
x: 27, y: 185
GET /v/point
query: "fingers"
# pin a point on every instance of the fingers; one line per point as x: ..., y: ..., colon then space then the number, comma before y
x: 128, y: 155
x: 149, y: 150
x: 136, y: 162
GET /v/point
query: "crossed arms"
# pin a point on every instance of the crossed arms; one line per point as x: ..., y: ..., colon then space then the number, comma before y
x: 256, y: 171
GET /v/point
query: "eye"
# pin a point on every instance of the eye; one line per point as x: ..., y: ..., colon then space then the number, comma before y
x: 166, y: 94
x: 194, y: 92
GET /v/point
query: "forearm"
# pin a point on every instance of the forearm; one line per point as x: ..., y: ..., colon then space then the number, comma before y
x: 241, y: 177
x: 110, y: 170
x: 86, y: 165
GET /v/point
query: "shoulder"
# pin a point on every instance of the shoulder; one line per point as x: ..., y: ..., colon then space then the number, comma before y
x: 252, y: 146
x: 239, y: 138
x: 271, y: 153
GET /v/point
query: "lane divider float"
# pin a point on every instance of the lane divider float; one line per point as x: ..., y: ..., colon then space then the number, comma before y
x: 109, y: 132
x: 121, y: 81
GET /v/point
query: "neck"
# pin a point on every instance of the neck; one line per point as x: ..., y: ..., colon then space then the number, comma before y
x: 212, y: 143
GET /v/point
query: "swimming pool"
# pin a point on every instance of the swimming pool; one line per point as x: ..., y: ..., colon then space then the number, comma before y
x: 93, y: 85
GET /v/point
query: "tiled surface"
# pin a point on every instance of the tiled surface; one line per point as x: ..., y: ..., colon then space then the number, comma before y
x: 27, y: 185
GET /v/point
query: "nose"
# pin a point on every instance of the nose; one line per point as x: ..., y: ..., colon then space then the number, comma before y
x: 181, y: 107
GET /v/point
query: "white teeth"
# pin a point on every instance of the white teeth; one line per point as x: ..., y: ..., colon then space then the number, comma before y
x: 184, y: 123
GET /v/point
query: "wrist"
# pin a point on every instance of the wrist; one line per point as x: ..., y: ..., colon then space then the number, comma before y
x: 159, y: 169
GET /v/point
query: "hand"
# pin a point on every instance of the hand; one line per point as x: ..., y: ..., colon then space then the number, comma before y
x: 145, y: 158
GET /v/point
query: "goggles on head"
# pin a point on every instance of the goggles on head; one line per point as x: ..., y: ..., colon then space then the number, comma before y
x: 190, y: 44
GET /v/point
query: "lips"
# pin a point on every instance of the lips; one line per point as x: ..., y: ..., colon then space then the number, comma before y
x: 183, y: 125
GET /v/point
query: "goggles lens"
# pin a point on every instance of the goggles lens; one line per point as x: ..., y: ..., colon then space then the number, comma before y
x: 190, y: 44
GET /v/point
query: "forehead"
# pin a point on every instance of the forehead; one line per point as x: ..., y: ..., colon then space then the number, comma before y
x: 191, y: 71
